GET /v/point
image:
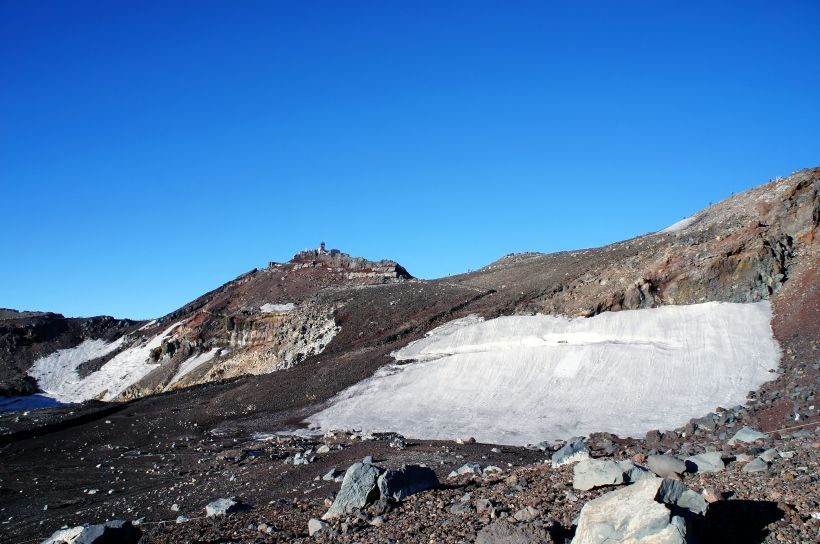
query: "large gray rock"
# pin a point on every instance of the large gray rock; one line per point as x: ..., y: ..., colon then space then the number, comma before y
x: 409, y: 479
x: 746, y: 434
x: 711, y: 461
x: 222, y: 507
x: 665, y: 465
x: 591, y: 473
x: 573, y: 451
x: 359, y: 488
x: 110, y: 532
x: 630, y: 514
x: 503, y: 532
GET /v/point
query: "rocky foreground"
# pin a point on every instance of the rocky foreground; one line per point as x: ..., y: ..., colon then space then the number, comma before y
x: 716, y: 480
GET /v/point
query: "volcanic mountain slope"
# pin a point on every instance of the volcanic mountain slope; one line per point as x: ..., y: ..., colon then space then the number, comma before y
x: 743, y: 249
x: 262, y: 321
x: 292, y: 339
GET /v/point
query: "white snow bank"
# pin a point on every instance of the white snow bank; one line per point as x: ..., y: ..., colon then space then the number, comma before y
x: 191, y: 364
x: 523, y: 379
x: 57, y: 374
x: 277, y: 308
x: 680, y: 225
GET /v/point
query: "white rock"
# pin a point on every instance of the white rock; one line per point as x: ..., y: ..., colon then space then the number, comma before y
x: 630, y: 514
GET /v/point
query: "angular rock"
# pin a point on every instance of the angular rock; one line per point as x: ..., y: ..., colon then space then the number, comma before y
x: 221, y: 507
x: 466, y: 468
x: 630, y: 514
x: 675, y: 493
x: 591, y: 473
x: 119, y: 531
x: 333, y: 475
x: 746, y: 434
x: 359, y: 488
x: 315, y: 526
x: 769, y: 455
x: 573, y: 451
x: 703, y: 463
x: 398, y: 484
x: 502, y: 532
x: 665, y: 465
x: 527, y: 514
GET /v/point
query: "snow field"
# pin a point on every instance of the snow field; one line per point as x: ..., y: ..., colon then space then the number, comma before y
x: 522, y: 379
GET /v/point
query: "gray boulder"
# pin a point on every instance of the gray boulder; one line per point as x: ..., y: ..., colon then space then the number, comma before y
x: 755, y: 465
x: 503, y: 532
x: 630, y: 514
x: 573, y: 451
x: 591, y: 473
x: 110, y: 532
x: 746, y: 434
x: 359, y: 488
x: 711, y: 461
x: 665, y: 465
x: 398, y: 484
x: 675, y: 493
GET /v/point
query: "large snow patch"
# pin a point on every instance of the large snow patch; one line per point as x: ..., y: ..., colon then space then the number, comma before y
x: 523, y: 379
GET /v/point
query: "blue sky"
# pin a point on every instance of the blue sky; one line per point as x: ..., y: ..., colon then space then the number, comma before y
x: 150, y: 151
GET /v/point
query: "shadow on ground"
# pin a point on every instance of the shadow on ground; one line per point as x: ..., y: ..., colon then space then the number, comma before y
x: 745, y: 522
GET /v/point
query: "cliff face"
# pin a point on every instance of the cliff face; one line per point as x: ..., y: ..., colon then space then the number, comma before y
x: 263, y: 321
x: 27, y: 336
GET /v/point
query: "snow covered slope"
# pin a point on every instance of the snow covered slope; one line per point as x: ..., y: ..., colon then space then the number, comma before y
x: 523, y: 379
x: 57, y: 374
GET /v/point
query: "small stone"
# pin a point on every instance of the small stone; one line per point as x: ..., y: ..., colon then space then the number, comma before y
x: 769, y: 455
x: 755, y: 465
x: 221, y: 507
x: 573, y: 451
x: 705, y: 462
x: 710, y: 495
x: 483, y: 505
x: 315, y: 526
x: 324, y: 448
x: 665, y: 465
x: 466, y: 468
x: 746, y: 434
x: 527, y: 514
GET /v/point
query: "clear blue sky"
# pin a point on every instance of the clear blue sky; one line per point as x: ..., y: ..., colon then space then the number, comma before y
x: 150, y: 151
